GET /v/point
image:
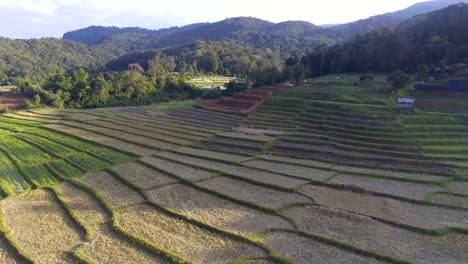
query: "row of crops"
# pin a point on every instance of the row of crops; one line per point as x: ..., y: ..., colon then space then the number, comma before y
x: 32, y: 156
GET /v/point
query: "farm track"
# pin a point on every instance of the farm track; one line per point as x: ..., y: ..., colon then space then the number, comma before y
x: 195, y: 185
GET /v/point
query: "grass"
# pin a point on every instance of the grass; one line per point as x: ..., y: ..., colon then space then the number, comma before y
x: 346, y: 78
x: 172, y: 105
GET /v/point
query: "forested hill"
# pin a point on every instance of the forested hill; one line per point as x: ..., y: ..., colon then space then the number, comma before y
x: 37, y: 58
x: 96, y: 34
x: 364, y: 26
x: 286, y: 38
x: 217, y: 57
x: 433, y: 40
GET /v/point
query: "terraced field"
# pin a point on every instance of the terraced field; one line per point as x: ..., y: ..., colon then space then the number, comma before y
x: 322, y: 173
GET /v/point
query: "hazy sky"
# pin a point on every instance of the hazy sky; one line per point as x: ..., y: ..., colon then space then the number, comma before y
x: 44, y: 18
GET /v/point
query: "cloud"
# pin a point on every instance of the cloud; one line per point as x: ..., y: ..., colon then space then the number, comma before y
x: 52, y: 18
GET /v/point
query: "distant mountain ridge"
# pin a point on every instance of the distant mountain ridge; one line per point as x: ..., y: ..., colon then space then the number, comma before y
x: 393, y: 18
x: 287, y: 38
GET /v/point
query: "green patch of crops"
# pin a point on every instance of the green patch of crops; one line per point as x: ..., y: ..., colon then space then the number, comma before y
x: 11, y: 182
x: 64, y: 169
x: 102, y: 152
x: 52, y: 146
x: 39, y: 175
x: 87, y: 162
x: 23, y: 153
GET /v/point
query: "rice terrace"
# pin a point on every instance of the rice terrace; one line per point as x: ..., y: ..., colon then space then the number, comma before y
x: 323, y: 171
x: 306, y: 132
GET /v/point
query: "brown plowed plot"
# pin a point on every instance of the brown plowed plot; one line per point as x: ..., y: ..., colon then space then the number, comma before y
x: 12, y: 101
x: 138, y: 132
x: 303, y: 250
x: 124, y: 146
x: 459, y: 187
x: 397, y: 188
x: 115, y: 192
x: 423, y: 216
x: 212, y: 154
x: 39, y: 226
x: 215, y: 211
x: 142, y: 176
x: 253, y: 194
x: 88, y: 211
x: 6, y: 256
x: 124, y: 136
x: 363, y: 232
x: 454, y: 200
x: 291, y: 170
x: 180, y: 170
x: 182, y: 238
x: 237, y: 171
x: 108, y: 248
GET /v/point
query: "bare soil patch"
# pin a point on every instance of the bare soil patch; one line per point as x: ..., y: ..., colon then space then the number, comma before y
x: 292, y: 170
x: 215, y: 211
x: 302, y: 250
x: 108, y: 248
x: 252, y: 193
x: 113, y: 191
x: 423, y: 216
x: 183, y: 171
x: 89, y: 212
x: 363, y: 232
x: 397, y: 188
x: 38, y: 225
x: 459, y: 187
x: 459, y: 201
x: 142, y: 176
x: 182, y: 238
x: 239, y: 171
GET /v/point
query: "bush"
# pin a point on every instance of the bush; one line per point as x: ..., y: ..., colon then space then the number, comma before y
x: 398, y: 79
x: 234, y: 87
